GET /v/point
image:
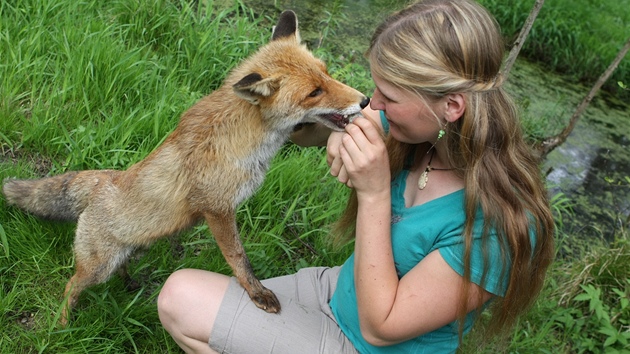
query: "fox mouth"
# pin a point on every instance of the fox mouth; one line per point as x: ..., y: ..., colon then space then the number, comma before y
x: 338, y: 120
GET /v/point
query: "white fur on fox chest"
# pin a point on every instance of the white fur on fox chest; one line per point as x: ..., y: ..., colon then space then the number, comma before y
x: 257, y: 163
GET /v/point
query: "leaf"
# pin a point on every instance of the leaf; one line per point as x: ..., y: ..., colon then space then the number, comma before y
x: 582, y: 297
x: 137, y: 323
x: 610, y: 341
x: 4, y: 241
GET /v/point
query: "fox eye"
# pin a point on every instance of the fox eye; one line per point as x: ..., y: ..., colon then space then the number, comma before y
x: 318, y: 91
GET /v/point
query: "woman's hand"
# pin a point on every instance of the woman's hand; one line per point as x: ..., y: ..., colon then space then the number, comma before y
x: 333, y: 158
x: 334, y: 144
x: 364, y: 158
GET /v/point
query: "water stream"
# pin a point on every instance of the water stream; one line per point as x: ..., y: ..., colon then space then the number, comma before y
x: 591, y: 168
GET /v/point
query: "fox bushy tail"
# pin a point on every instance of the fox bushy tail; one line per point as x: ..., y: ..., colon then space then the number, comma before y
x: 62, y: 197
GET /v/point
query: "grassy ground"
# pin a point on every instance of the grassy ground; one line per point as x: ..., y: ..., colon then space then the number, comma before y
x: 578, y: 38
x: 91, y: 85
x: 98, y: 84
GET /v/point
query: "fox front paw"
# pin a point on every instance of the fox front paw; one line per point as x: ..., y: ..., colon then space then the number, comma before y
x: 266, y: 300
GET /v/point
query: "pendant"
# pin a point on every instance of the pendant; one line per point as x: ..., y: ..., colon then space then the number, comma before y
x: 424, y: 178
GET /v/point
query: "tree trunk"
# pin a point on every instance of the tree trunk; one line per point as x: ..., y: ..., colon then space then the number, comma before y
x: 518, y: 44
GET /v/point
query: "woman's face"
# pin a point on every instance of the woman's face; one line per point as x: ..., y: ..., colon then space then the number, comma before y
x: 410, y: 119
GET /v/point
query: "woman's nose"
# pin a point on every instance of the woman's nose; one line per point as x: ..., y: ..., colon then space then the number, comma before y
x: 376, y: 103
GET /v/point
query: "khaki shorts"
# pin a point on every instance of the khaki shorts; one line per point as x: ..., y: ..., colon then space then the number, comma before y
x: 304, y: 325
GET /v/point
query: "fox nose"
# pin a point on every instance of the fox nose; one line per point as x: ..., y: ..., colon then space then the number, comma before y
x: 365, y: 102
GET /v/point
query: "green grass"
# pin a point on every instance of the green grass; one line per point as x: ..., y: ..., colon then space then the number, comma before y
x: 284, y: 228
x: 91, y: 85
x: 99, y: 84
x: 584, y: 307
x: 578, y: 38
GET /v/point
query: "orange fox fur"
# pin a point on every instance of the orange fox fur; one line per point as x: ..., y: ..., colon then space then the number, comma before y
x: 215, y: 159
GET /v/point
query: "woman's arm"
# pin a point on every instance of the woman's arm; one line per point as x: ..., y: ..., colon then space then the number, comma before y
x: 427, y: 297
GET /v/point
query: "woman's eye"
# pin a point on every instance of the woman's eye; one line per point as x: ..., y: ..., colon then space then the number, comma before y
x: 318, y: 91
x: 385, y: 98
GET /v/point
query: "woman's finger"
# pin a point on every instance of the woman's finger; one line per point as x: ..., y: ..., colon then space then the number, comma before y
x: 356, y: 135
x: 369, y: 129
x: 343, y: 176
x: 335, y: 166
x: 332, y: 146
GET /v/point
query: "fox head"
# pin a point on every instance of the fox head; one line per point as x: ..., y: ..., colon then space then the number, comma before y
x: 291, y: 86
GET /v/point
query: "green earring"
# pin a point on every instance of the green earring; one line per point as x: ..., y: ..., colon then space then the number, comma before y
x: 441, y: 134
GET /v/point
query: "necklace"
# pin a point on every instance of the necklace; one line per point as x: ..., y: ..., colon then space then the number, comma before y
x: 424, y: 177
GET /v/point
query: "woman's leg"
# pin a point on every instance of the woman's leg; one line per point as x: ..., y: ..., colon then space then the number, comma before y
x: 188, y: 304
x: 204, y: 310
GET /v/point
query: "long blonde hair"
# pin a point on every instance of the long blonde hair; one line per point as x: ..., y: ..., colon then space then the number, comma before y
x: 437, y: 47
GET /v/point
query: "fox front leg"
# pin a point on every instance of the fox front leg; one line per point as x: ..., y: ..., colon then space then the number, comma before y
x: 223, y: 227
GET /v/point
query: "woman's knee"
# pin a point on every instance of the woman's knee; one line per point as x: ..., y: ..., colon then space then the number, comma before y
x: 186, y: 290
x: 171, y: 293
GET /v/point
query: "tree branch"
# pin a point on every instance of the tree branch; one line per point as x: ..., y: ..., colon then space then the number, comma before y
x: 518, y: 44
x: 550, y: 143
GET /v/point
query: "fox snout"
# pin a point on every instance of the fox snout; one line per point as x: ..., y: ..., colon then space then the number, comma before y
x: 347, y: 119
x: 365, y: 102
x: 340, y: 120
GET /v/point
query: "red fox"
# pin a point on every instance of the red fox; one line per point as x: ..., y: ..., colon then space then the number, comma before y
x: 215, y: 159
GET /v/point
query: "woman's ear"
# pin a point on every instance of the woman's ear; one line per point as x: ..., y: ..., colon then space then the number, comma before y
x: 455, y: 106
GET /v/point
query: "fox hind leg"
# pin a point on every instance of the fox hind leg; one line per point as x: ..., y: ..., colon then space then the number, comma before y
x: 96, y: 259
x: 224, y: 230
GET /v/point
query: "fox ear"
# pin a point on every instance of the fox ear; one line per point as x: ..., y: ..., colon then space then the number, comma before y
x: 253, y: 87
x: 287, y: 27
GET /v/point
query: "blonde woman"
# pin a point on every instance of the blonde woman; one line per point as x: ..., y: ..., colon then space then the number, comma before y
x: 449, y: 212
